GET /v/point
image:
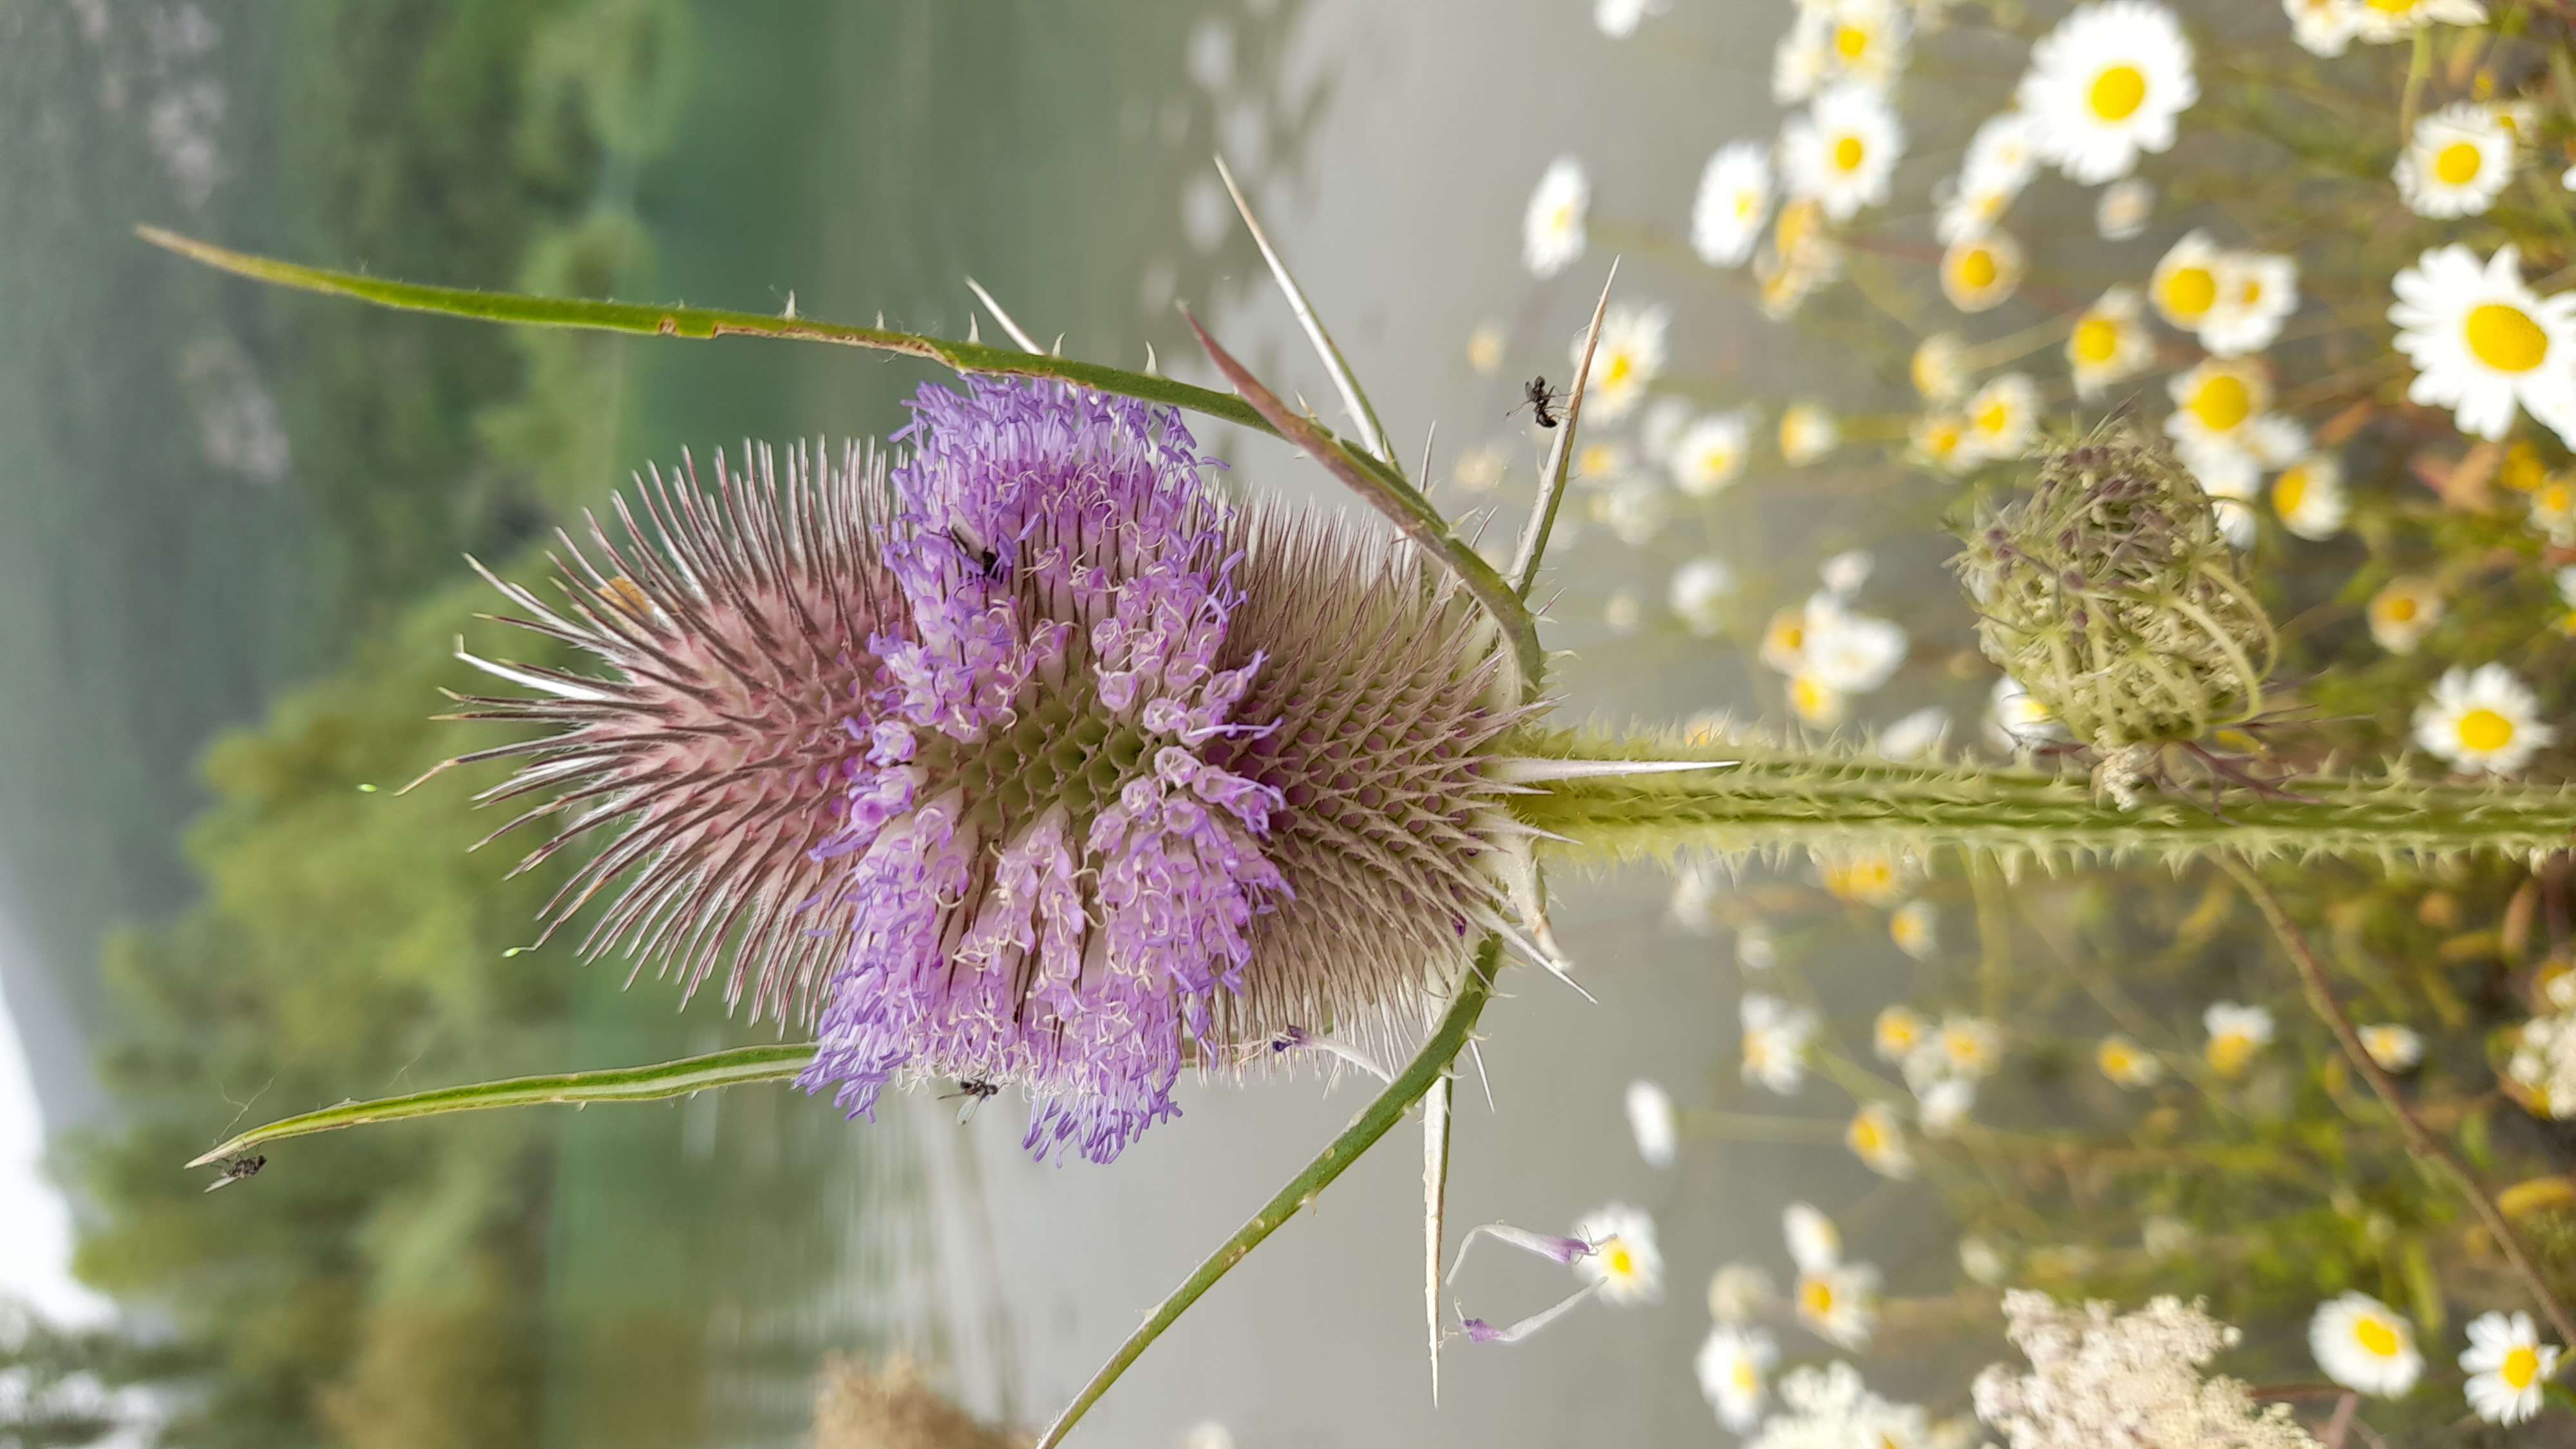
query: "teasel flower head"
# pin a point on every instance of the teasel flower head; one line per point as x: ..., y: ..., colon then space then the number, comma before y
x: 1029, y: 761
x: 2110, y: 594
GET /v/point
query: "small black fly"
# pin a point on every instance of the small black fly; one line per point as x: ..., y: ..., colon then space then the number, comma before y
x: 237, y: 1169
x: 976, y: 1093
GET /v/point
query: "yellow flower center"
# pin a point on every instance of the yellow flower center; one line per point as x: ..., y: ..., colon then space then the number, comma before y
x: 2250, y: 293
x: 1757, y: 1050
x: 2392, y: 7
x: 2117, y: 1059
x: 2519, y: 1368
x: 1977, y: 270
x: 1942, y: 439
x: 2097, y: 340
x: 2222, y: 402
x: 2485, y: 731
x: 2117, y: 92
x: 2554, y: 498
x: 1616, y: 1258
x: 2289, y: 491
x: 2457, y: 164
x: 2229, y: 1051
x: 1866, y: 1138
x: 1621, y: 367
x: 1848, y: 152
x: 1747, y: 1381
x: 1994, y: 419
x: 2189, y: 291
x: 1851, y: 42
x: 1562, y: 219
x: 1808, y: 698
x: 2377, y: 1337
x: 2505, y: 338
x: 1815, y: 1297
x: 2400, y: 609
x: 1745, y: 202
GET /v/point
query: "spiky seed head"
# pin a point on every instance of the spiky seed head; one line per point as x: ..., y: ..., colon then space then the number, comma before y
x: 2111, y: 595
x: 1026, y: 761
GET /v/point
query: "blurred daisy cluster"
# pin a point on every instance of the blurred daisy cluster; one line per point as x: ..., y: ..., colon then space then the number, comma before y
x: 2326, y: 251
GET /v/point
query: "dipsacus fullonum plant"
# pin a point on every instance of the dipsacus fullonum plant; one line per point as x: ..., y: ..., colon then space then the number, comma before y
x: 1018, y: 757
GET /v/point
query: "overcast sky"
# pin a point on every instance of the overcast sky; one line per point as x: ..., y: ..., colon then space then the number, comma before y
x: 35, y: 1222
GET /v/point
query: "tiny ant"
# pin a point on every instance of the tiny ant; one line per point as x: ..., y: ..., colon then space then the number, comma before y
x: 236, y: 1169
x: 1538, y: 397
x: 976, y: 1093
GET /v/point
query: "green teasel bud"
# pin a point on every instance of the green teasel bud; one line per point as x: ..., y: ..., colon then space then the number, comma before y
x: 2111, y: 595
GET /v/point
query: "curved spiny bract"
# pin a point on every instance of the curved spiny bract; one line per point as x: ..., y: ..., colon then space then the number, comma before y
x: 734, y: 622
x: 1837, y: 797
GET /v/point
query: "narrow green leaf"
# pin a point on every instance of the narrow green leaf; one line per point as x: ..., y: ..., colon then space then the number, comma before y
x: 1372, y: 432
x: 1428, y: 1066
x: 1560, y: 458
x: 614, y: 1084
x: 1397, y: 500
x: 644, y: 320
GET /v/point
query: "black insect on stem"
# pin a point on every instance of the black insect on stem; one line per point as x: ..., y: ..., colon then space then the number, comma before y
x: 237, y: 1169
x: 1539, y: 398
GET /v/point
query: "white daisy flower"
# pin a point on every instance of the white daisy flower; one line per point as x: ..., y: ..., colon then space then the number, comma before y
x: 1857, y: 41
x: 1634, y: 510
x: 2106, y: 84
x: 2309, y: 497
x: 2257, y: 291
x: 2003, y: 154
x: 1755, y: 951
x: 1709, y: 454
x: 1817, y: 705
x: 1877, y: 1138
x: 2403, y: 611
x: 2223, y: 428
x: 2324, y: 27
x: 1733, y: 203
x: 1815, y: 1244
x: 2482, y: 722
x: 1630, y: 356
x: 2110, y: 343
x: 1784, y: 641
x: 1623, y: 1260
x: 1808, y: 432
x: 1693, y: 907
x: 2124, y: 209
x: 1940, y: 440
x: 1485, y: 348
x: 2364, y: 1345
x: 1850, y: 652
x: 1652, y: 1120
x: 1734, y: 1367
x: 2553, y: 509
x: 2384, y: 21
x: 2185, y: 285
x: 2003, y: 417
x: 2507, y: 1365
x: 2457, y: 162
x: 1624, y: 612
x: 2482, y: 342
x: 2396, y: 1048
x: 1619, y: 19
x: 1699, y: 594
x: 2020, y: 720
x: 1939, y: 367
x: 1897, y: 1032
x: 2127, y: 1064
x: 1739, y: 1292
x: 1962, y: 212
x: 1601, y: 462
x: 1480, y: 468
x: 1864, y: 877
x: 1971, y: 1046
x: 1983, y: 1263
x: 2236, y: 1033
x: 1839, y: 1303
x: 1552, y: 228
x: 1798, y: 63
x: 1842, y: 152
x: 1776, y: 1034
x: 1915, y: 735
x: 1844, y: 573
x: 1942, y: 1106
x: 1916, y: 929
x: 1981, y: 271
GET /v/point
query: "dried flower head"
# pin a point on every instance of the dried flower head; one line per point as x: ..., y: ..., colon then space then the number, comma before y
x: 1026, y: 761
x: 2133, y: 1378
x: 2110, y: 594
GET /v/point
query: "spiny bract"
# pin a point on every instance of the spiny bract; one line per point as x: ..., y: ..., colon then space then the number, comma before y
x: 1027, y: 761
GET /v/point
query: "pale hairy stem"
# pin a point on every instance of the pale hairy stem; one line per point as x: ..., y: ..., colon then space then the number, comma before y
x: 2428, y: 1148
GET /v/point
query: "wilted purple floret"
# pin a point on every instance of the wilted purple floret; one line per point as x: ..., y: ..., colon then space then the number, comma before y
x: 1049, y: 882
